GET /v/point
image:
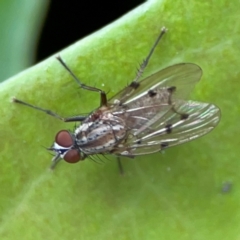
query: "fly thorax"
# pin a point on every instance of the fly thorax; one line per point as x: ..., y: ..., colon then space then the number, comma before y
x: 100, y: 136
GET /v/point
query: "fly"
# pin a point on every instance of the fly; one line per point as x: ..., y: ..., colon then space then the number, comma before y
x: 145, y: 117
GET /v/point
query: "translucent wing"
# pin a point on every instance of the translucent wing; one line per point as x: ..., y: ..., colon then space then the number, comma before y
x: 169, y: 129
x: 183, y: 76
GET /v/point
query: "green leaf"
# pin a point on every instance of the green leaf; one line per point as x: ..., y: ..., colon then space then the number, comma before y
x: 175, y: 195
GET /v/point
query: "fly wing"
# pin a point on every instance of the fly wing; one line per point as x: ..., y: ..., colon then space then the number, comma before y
x: 170, y: 129
x: 182, y: 76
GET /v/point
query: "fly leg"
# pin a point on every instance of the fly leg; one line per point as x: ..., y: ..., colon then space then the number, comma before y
x: 103, y: 96
x: 49, y: 112
x: 120, y: 167
x: 146, y: 60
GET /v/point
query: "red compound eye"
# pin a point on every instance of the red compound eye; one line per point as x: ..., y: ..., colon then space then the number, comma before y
x: 64, y: 139
x: 72, y: 156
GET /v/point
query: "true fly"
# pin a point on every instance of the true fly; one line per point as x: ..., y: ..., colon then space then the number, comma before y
x: 145, y: 117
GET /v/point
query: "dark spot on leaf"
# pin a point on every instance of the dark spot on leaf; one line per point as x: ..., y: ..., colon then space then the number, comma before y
x: 226, y: 187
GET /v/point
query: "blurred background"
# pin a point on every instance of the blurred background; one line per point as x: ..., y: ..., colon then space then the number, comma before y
x: 34, y: 30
